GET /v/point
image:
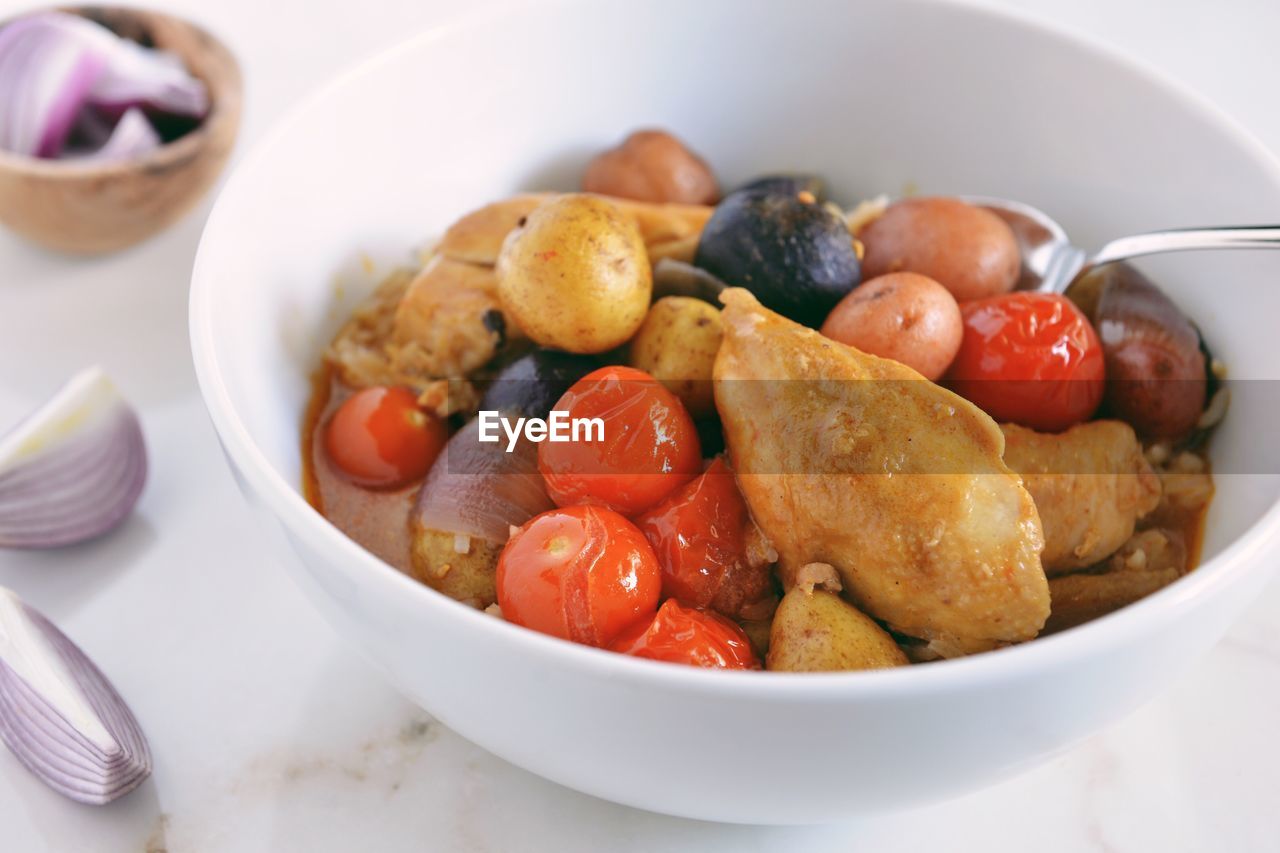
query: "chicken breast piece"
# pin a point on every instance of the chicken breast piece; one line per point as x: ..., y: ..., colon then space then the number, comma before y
x: 1091, y: 484
x: 859, y: 462
x: 449, y: 321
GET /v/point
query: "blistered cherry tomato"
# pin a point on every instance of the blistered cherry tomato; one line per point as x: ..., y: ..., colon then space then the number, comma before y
x: 382, y: 439
x: 699, y: 536
x: 680, y: 634
x: 650, y: 445
x: 1030, y: 358
x: 581, y: 573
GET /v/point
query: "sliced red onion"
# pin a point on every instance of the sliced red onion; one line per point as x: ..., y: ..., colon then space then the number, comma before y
x: 137, y: 75
x: 60, y: 715
x: 478, y: 489
x: 133, y: 136
x: 46, y: 71
x: 53, y: 65
x: 73, y: 469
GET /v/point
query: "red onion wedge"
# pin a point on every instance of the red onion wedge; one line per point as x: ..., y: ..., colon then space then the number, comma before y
x: 73, y: 469
x: 133, y: 136
x: 478, y: 489
x: 60, y: 715
x: 54, y: 66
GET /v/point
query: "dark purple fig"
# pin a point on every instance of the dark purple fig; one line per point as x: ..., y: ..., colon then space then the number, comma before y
x: 787, y: 184
x: 794, y: 254
x: 531, y: 385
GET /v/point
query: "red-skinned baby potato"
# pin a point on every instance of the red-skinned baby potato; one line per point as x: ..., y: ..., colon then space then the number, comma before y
x: 652, y: 165
x: 968, y: 250
x: 904, y: 316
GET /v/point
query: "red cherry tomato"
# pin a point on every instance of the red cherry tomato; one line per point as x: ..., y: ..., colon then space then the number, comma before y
x: 650, y: 445
x: 1030, y: 358
x: 382, y: 439
x: 581, y: 573
x: 699, y: 536
x: 680, y: 634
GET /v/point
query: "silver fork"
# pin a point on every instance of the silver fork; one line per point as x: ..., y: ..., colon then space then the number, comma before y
x: 1050, y: 262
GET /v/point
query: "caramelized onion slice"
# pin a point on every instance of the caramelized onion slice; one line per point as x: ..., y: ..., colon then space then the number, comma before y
x: 478, y: 489
x: 1156, y: 373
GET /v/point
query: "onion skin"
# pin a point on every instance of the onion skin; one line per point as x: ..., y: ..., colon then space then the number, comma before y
x: 48, y: 744
x: 74, y: 469
x: 473, y: 496
x: 479, y: 490
x: 1156, y: 374
x: 132, y: 137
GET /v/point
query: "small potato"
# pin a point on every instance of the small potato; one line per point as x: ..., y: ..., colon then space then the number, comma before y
x: 652, y: 165
x: 817, y: 631
x: 904, y: 316
x: 574, y: 276
x: 467, y: 575
x: 677, y: 345
x: 968, y: 250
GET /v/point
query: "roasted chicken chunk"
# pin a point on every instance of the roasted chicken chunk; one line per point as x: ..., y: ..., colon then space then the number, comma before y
x: 449, y: 322
x: 427, y: 331
x: 859, y: 462
x: 1091, y: 484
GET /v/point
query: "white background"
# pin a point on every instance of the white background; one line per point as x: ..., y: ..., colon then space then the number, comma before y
x: 270, y: 734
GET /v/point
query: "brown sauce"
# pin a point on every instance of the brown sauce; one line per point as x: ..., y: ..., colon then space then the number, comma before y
x: 377, y: 520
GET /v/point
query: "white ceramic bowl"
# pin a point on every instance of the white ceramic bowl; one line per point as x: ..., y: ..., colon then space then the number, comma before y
x: 875, y: 95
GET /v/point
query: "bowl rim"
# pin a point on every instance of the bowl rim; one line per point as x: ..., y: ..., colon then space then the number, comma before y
x: 287, y: 503
x: 183, y: 148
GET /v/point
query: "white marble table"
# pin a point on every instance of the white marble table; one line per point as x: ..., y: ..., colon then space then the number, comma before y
x: 270, y: 734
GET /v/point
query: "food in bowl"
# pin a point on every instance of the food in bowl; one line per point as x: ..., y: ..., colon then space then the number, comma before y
x: 771, y: 433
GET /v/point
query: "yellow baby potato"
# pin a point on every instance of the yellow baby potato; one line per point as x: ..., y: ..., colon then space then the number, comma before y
x: 818, y: 631
x: 575, y: 275
x: 677, y: 345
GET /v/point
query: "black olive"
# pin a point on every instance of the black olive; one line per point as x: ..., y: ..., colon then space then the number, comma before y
x: 787, y: 184
x: 795, y: 254
x: 534, y: 382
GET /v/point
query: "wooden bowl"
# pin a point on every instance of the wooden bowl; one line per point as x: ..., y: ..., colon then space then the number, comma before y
x: 88, y: 208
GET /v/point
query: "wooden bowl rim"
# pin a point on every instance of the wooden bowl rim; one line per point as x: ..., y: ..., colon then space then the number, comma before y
x: 184, y: 147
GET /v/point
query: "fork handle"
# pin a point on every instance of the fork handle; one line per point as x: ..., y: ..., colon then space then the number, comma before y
x: 1185, y: 239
